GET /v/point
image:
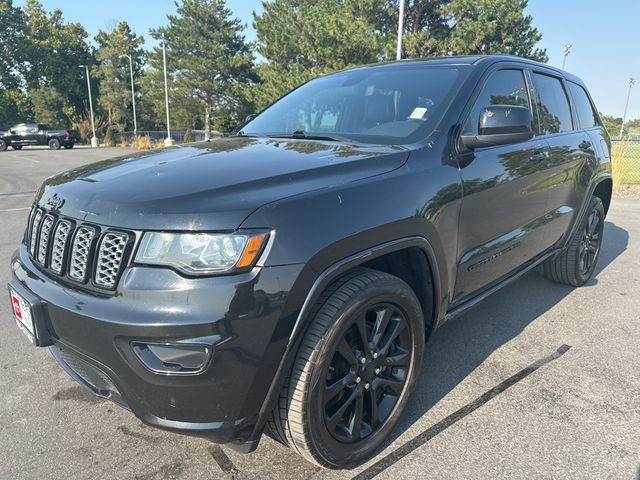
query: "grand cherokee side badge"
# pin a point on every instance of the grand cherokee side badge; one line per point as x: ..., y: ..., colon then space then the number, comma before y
x: 55, y: 202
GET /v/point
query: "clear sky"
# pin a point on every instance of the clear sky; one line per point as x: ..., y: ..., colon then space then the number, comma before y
x: 605, y: 36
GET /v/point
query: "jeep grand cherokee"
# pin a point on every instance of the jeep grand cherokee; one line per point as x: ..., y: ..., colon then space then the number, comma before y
x: 285, y: 278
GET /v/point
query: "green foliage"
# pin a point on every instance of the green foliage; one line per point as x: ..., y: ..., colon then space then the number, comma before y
x: 213, y: 79
x: 15, y: 107
x: 13, y: 55
x: 613, y: 124
x: 301, y: 40
x: 109, y: 138
x: 49, y: 106
x: 483, y: 27
x: 113, y: 74
x: 55, y: 50
x: 208, y: 58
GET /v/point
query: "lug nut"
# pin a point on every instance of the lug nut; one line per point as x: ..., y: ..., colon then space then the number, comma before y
x: 357, y: 379
x: 366, y: 386
x: 375, y: 355
x: 378, y: 371
x: 363, y: 360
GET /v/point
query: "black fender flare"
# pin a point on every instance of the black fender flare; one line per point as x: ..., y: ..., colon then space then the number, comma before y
x: 597, y: 180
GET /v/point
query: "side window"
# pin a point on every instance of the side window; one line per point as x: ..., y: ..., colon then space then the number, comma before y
x: 554, y: 114
x: 585, y: 112
x: 504, y: 87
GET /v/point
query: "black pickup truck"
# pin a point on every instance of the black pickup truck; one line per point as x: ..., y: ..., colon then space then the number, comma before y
x: 26, y: 134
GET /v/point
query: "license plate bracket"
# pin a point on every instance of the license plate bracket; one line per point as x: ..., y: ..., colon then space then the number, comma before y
x: 29, y: 313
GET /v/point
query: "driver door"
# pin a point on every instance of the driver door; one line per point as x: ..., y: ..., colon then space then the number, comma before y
x: 502, y: 212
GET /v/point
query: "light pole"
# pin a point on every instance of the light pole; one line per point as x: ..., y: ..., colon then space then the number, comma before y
x: 133, y: 94
x: 632, y: 82
x: 167, y: 141
x: 400, y: 27
x: 567, y: 51
x: 94, y: 140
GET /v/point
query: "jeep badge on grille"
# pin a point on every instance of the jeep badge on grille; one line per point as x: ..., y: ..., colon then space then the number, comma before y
x: 55, y: 202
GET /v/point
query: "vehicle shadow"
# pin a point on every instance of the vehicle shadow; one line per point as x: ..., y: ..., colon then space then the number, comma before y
x: 461, y: 345
x: 452, y: 354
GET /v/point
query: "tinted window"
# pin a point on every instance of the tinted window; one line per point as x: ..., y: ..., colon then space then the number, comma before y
x: 504, y: 87
x: 584, y: 109
x: 554, y: 114
x: 390, y: 105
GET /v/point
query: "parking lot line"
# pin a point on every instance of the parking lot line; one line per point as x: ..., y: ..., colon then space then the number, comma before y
x: 456, y: 416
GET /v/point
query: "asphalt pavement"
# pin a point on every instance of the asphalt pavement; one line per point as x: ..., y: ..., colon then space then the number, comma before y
x: 539, y: 381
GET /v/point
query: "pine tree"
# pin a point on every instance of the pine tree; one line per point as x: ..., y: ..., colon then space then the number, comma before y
x: 112, y: 72
x: 208, y: 60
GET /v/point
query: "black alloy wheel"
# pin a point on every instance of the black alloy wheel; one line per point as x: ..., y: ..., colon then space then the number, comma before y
x: 590, y: 242
x: 354, y: 372
x: 576, y: 264
x: 367, y: 373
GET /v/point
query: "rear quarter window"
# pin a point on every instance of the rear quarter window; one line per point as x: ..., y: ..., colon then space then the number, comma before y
x: 585, y: 111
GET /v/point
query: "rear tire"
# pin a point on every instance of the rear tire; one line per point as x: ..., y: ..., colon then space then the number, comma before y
x: 576, y: 264
x: 54, y: 144
x: 16, y: 147
x: 68, y: 146
x: 3, y: 145
x: 343, y: 396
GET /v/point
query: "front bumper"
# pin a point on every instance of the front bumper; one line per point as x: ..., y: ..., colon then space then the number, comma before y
x: 247, y: 318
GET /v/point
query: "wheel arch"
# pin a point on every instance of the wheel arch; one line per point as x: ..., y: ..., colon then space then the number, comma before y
x: 414, y: 248
x: 601, y: 184
x: 604, y: 190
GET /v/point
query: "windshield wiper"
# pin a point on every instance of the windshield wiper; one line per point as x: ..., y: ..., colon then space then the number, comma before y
x: 311, y: 136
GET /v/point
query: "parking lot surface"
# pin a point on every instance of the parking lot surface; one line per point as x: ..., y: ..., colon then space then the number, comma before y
x: 539, y: 381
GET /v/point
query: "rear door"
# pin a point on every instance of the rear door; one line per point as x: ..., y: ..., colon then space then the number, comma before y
x: 501, y: 224
x: 30, y: 134
x: 572, y: 155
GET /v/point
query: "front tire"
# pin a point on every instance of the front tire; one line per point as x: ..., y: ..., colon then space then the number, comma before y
x: 576, y: 264
x: 54, y: 144
x: 354, y: 372
x: 3, y: 145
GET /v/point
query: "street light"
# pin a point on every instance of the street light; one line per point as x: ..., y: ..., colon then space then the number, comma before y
x: 400, y: 28
x: 632, y: 82
x: 133, y: 94
x: 567, y: 51
x: 167, y: 141
x: 94, y: 140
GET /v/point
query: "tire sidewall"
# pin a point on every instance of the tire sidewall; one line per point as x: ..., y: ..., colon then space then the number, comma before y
x: 3, y: 145
x: 54, y: 144
x: 385, y: 291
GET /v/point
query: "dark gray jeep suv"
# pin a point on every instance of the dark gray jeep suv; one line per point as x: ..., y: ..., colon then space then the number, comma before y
x: 285, y: 278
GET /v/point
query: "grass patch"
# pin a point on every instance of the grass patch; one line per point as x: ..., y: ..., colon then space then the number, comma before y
x: 626, y: 163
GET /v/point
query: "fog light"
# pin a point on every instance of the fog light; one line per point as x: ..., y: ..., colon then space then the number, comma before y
x: 172, y: 358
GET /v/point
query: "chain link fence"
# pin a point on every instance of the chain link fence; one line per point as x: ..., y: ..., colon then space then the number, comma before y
x: 626, y: 162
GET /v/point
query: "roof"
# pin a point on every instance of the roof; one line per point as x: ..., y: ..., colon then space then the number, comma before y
x: 472, y: 60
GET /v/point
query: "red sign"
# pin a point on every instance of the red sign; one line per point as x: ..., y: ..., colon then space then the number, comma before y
x: 16, y: 306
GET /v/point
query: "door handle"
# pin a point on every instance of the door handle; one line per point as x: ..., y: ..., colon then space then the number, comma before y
x: 585, y: 145
x: 539, y: 155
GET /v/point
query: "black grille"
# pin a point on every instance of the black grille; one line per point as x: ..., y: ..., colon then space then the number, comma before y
x: 78, y: 250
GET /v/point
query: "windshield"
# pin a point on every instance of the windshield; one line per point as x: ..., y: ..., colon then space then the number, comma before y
x: 389, y: 105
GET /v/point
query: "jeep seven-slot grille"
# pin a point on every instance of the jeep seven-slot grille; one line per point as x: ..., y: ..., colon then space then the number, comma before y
x: 77, y: 249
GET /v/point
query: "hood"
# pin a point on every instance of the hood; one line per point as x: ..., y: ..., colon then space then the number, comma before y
x: 211, y: 185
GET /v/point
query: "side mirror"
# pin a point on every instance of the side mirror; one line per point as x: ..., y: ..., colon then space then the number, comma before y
x: 501, y: 125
